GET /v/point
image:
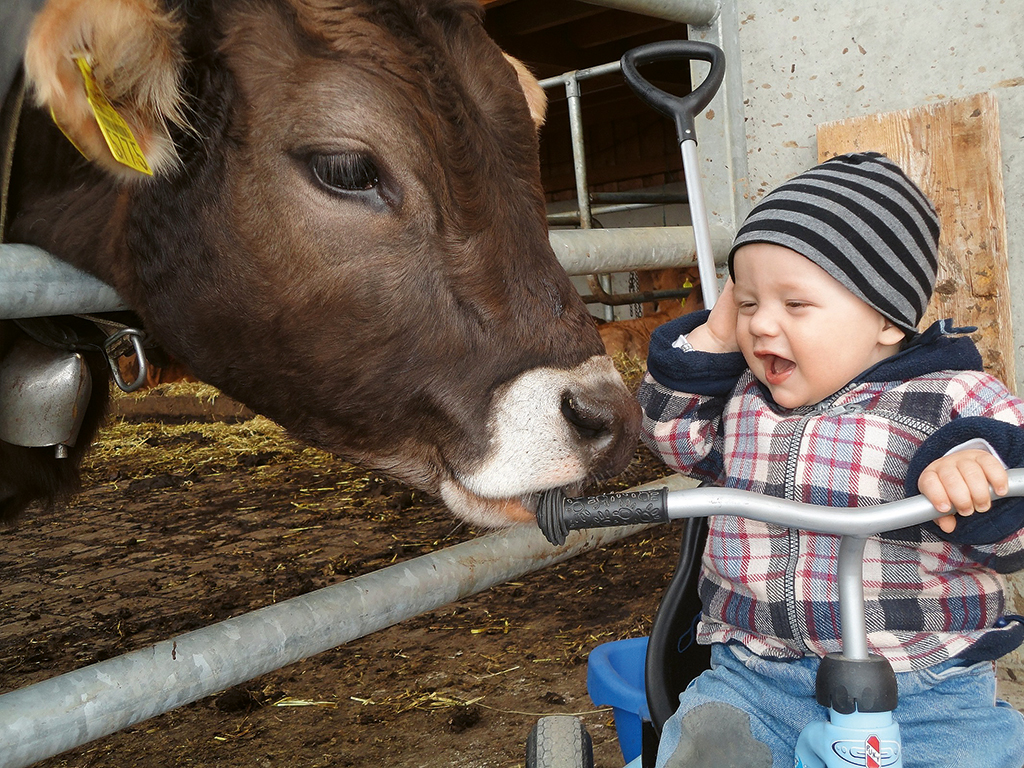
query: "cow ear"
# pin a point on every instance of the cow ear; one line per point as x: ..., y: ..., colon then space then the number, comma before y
x: 130, y: 50
x: 536, y: 98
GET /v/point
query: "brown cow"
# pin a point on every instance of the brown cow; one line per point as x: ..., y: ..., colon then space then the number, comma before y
x: 632, y: 337
x: 344, y: 230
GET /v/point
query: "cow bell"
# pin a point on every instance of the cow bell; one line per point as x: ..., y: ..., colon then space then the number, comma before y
x: 43, y: 396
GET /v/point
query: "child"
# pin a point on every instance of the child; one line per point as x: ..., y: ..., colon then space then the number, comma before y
x: 809, y: 381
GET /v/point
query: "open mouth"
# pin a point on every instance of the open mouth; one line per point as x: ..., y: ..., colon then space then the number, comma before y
x: 488, y: 512
x: 495, y: 512
x: 776, y: 369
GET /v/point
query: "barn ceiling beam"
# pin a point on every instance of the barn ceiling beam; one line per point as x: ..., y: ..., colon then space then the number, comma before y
x: 526, y: 17
x: 610, y: 26
x: 697, y: 13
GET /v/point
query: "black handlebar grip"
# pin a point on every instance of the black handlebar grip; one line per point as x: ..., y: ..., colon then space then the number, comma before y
x: 557, y: 515
x: 683, y: 109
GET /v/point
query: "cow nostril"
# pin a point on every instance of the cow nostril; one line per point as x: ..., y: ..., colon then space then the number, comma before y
x: 588, y: 425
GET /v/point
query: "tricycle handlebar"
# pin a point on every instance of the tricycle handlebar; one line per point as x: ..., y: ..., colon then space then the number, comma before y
x: 557, y: 514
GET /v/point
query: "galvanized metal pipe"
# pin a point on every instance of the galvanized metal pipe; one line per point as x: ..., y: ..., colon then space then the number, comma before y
x: 624, y: 250
x: 582, y: 74
x: 572, y: 218
x: 618, y: 202
x: 50, y: 717
x: 699, y: 13
x: 579, y: 157
x: 579, y: 161
x: 600, y: 296
x: 34, y: 283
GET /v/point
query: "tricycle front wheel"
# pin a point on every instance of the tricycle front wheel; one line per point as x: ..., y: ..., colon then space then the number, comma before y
x: 559, y: 741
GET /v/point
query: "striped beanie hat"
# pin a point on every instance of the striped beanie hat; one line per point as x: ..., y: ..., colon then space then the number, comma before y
x: 864, y: 222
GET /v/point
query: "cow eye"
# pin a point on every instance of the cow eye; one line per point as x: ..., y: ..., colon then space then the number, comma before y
x: 345, y: 172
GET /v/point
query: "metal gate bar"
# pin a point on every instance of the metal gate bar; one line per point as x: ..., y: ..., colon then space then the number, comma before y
x: 50, y: 717
x: 35, y: 284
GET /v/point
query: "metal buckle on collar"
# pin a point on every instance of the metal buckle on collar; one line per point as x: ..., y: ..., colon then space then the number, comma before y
x: 120, y: 344
x: 115, y: 340
x: 120, y: 341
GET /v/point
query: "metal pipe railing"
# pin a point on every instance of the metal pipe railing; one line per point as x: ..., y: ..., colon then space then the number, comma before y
x: 699, y: 13
x: 35, y: 284
x: 64, y: 712
x: 571, y: 82
x: 629, y: 249
x: 581, y: 74
x: 618, y: 202
x: 600, y: 296
x: 579, y: 156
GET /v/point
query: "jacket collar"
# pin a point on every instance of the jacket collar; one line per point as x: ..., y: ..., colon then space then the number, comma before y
x: 940, y: 347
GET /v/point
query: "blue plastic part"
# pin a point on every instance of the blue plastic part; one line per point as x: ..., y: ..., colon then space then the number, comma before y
x: 865, y: 739
x: 615, y: 678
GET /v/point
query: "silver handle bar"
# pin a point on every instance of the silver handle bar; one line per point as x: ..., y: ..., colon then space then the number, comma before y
x: 557, y: 515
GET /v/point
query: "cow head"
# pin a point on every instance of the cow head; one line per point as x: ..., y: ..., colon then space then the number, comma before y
x: 345, y: 230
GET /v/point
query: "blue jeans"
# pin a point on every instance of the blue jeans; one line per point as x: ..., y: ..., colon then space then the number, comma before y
x: 948, y: 714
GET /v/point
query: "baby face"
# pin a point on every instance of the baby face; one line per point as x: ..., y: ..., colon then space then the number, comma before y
x: 802, y: 333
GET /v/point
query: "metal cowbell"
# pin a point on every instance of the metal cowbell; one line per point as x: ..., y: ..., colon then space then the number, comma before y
x: 43, y: 396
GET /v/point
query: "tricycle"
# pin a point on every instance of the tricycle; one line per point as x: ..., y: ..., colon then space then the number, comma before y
x: 857, y: 687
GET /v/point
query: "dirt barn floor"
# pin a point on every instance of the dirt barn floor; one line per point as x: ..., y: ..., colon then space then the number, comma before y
x: 193, y: 512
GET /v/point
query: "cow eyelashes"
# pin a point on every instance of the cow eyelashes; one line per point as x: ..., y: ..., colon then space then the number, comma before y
x: 345, y: 172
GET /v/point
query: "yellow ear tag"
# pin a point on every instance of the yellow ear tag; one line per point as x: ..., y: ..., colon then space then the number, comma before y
x: 120, y: 139
x: 686, y: 284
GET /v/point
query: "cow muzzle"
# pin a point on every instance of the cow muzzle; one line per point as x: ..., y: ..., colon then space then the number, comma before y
x: 548, y: 428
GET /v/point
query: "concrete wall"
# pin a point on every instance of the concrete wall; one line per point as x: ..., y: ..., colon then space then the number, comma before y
x: 805, y: 62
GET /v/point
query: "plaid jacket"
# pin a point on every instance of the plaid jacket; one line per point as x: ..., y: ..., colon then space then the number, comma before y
x: 929, y: 596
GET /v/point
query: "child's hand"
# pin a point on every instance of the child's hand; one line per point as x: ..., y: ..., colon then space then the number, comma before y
x: 718, y: 334
x: 959, y: 482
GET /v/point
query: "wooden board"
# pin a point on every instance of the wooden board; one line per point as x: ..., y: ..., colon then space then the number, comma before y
x: 951, y: 149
